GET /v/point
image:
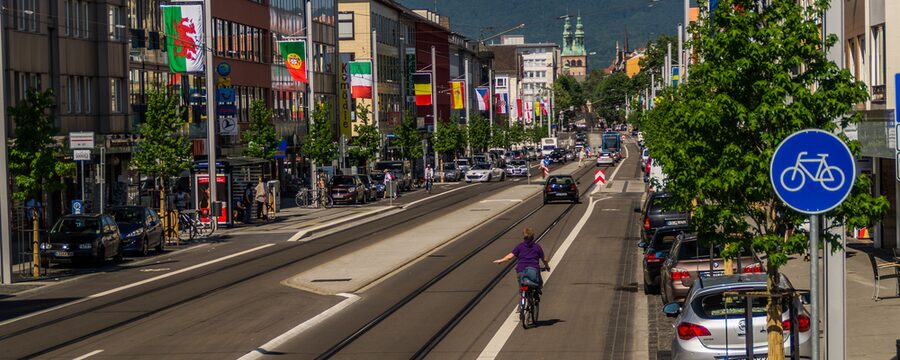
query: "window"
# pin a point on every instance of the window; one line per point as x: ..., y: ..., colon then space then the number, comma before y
x: 345, y: 26
x: 79, y: 87
x: 115, y: 96
x: 116, y: 27
x: 27, y: 15
x: 68, y: 16
x: 88, y: 98
x: 70, y: 84
x: 879, y: 56
x: 85, y: 16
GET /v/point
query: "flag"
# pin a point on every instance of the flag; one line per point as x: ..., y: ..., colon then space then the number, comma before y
x: 457, y: 98
x: 529, y: 112
x: 502, y: 103
x: 294, y: 54
x: 184, y: 29
x: 537, y: 109
x: 483, y: 100
x: 422, y: 83
x: 544, y: 106
x: 519, y: 107
x: 361, y: 79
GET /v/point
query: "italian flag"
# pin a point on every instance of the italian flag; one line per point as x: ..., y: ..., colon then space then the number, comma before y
x: 361, y: 79
x: 184, y: 34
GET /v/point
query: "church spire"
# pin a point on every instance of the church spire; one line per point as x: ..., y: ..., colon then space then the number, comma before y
x: 567, y: 37
x: 578, y: 43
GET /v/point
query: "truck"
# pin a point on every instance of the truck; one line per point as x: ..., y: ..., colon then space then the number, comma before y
x: 548, y: 144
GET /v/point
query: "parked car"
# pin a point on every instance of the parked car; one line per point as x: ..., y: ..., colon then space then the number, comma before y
x: 605, y: 158
x: 485, y: 173
x: 463, y: 164
x: 560, y: 187
x: 690, y: 260
x: 451, y: 172
x: 369, y: 185
x: 655, y: 253
x: 712, y: 325
x: 517, y: 168
x: 570, y: 155
x: 516, y: 155
x: 534, y: 154
x: 401, y: 171
x: 658, y: 211
x: 347, y: 189
x: 378, y: 181
x: 76, y: 238
x: 645, y: 156
x: 139, y: 228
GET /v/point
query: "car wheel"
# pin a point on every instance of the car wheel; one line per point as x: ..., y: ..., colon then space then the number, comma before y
x: 145, y: 246
x: 545, y: 200
x: 162, y: 244
x: 101, y: 256
x: 118, y: 258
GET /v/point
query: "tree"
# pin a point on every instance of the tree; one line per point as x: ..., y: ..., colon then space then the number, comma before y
x: 408, y: 139
x: 34, y: 157
x: 516, y: 133
x: 610, y: 97
x: 479, y: 133
x: 536, y: 133
x: 764, y: 76
x: 655, y: 56
x: 319, y: 143
x: 260, y: 137
x: 368, y: 140
x: 162, y: 151
x: 500, y: 136
x: 569, y: 96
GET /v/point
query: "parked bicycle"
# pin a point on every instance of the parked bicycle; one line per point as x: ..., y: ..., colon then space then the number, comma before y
x: 309, y: 198
x: 190, y: 226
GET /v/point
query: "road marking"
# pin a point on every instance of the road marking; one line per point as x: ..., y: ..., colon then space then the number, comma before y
x: 493, y: 348
x: 155, y: 270
x: 132, y: 285
x: 85, y: 356
x: 299, y: 329
x: 435, y: 195
x: 302, y: 233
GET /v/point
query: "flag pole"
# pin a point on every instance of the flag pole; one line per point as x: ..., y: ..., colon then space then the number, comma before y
x: 466, y: 98
x: 434, y: 114
x: 5, y: 233
x: 210, y: 111
x: 491, y: 98
x: 375, y: 111
x: 310, y: 90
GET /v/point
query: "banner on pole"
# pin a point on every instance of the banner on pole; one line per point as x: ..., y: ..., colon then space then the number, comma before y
x: 294, y: 54
x: 184, y: 38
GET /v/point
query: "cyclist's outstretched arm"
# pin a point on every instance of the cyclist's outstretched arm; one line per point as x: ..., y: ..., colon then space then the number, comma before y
x: 504, y: 259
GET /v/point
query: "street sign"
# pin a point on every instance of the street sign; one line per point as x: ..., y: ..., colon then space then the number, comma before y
x: 81, y: 155
x: 228, y: 126
x: 81, y: 140
x: 77, y: 207
x: 225, y: 95
x: 226, y: 110
x: 812, y: 171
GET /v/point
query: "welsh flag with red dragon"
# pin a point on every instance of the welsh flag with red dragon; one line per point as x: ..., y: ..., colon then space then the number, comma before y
x: 184, y: 37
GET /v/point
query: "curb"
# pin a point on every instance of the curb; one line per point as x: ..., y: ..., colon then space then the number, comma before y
x: 363, y: 218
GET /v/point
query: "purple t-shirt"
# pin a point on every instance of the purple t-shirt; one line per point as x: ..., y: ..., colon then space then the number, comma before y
x: 528, y: 255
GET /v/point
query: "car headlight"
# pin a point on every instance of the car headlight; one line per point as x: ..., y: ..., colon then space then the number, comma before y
x: 85, y: 246
x: 352, y: 189
x: 137, y: 232
x: 44, y: 246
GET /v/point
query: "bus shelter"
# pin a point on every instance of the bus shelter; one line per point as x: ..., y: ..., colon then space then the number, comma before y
x: 233, y: 175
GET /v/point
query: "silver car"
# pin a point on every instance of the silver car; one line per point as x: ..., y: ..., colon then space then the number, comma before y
x: 712, y: 326
x: 606, y: 158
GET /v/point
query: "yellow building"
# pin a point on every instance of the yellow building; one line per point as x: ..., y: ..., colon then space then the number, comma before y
x: 633, y: 65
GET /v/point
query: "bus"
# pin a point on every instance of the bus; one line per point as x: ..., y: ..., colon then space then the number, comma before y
x: 548, y: 145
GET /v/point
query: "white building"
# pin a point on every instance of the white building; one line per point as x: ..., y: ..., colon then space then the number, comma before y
x: 526, y: 71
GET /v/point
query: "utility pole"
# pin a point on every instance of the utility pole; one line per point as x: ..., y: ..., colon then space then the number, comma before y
x: 310, y: 89
x: 375, y: 111
x: 5, y: 233
x: 668, y: 74
x: 434, y: 114
x: 491, y: 98
x: 210, y: 112
x: 681, y: 65
x: 466, y: 106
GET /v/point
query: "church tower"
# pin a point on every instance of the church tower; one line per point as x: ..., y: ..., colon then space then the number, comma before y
x: 574, y: 56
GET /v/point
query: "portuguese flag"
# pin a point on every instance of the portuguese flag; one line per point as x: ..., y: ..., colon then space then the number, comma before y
x: 184, y: 34
x: 422, y: 83
x: 294, y: 53
x: 361, y: 79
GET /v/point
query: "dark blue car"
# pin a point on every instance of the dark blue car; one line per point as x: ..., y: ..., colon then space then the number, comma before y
x: 560, y: 187
x: 140, y: 228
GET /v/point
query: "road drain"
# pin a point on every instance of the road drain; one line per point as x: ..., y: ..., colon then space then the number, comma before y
x: 331, y: 280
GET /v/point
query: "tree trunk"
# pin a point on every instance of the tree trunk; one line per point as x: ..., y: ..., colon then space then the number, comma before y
x: 774, y: 327
x: 35, y: 244
x: 162, y: 206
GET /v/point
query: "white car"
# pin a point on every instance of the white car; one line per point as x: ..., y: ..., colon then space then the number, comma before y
x: 645, y: 155
x: 606, y: 158
x: 485, y: 173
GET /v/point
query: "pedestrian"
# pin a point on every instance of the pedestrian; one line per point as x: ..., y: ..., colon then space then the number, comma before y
x: 182, y: 199
x: 247, y: 203
x: 388, y: 182
x: 429, y: 178
x: 261, y: 196
x: 581, y: 157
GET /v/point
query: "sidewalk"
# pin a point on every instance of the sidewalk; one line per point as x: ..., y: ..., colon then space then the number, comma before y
x: 873, y: 328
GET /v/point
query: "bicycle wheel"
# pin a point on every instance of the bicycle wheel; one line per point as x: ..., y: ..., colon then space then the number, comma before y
x: 327, y: 201
x: 522, y: 309
x: 185, y: 231
x: 529, y: 311
x: 535, y: 310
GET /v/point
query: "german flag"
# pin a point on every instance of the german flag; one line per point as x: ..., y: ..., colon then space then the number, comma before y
x: 423, y: 88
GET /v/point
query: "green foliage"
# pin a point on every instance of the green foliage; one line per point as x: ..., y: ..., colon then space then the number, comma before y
x: 536, y: 133
x: 162, y: 151
x: 368, y: 140
x: 516, y: 133
x: 655, y: 55
x: 716, y: 136
x: 319, y: 143
x: 408, y: 138
x: 261, y: 140
x: 479, y: 133
x: 447, y: 139
x: 500, y: 136
x: 570, y: 96
x: 609, y: 96
x: 34, y: 157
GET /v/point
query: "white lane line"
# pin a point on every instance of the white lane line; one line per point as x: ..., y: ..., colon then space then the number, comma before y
x: 136, y: 284
x: 435, y: 195
x: 493, y: 348
x: 299, y: 329
x: 85, y: 356
x: 302, y: 233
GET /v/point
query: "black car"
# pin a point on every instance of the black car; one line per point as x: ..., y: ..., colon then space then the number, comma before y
x: 558, y: 156
x: 561, y: 187
x: 139, y: 228
x: 369, y: 184
x: 76, y: 238
x: 660, y: 211
x: 655, y: 252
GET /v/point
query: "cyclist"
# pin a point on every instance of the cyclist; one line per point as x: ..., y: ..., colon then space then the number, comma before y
x: 429, y: 178
x: 527, y: 254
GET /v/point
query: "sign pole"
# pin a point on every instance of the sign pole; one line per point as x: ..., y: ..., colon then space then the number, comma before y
x: 81, y: 163
x: 814, y: 283
x: 210, y: 116
x: 5, y: 230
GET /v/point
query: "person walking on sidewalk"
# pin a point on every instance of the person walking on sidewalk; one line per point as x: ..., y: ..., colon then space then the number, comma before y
x: 388, y: 182
x: 429, y: 178
x: 247, y: 203
x: 261, y: 196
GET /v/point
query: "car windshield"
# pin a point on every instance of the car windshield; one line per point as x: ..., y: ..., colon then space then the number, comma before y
x: 561, y: 180
x: 517, y: 163
x: 662, y: 204
x: 377, y: 177
x: 718, y: 306
x: 449, y: 166
x: 343, y: 180
x: 663, y: 241
x: 127, y: 215
x: 694, y: 250
x: 76, y: 226
x: 481, y: 167
x: 462, y: 162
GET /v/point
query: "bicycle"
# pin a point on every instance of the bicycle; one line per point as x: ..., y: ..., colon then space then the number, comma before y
x: 190, y: 226
x: 830, y: 177
x: 308, y: 198
x: 529, y: 307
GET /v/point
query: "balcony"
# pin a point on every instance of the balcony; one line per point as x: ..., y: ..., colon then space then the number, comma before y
x: 878, y: 94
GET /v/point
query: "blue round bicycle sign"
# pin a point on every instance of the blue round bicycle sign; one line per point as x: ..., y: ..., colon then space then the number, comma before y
x: 812, y: 171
